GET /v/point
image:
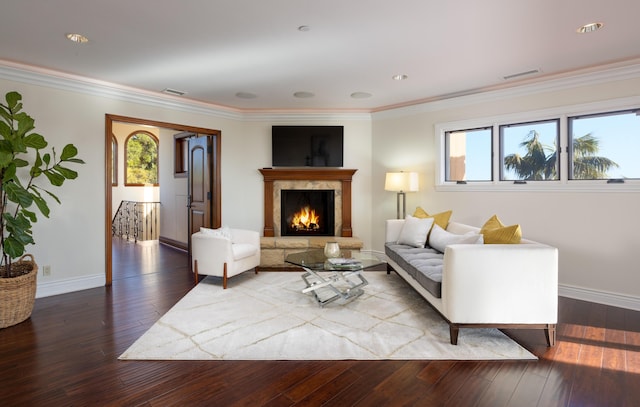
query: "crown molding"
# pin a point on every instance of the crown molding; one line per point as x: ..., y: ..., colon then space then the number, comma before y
x: 57, y: 80
x: 593, y: 76
x: 43, y: 77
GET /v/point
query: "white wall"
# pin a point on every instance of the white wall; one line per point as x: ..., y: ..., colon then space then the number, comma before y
x: 597, y: 233
x: 67, y: 110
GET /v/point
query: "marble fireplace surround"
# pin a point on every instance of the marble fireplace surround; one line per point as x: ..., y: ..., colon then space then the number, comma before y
x: 307, y: 178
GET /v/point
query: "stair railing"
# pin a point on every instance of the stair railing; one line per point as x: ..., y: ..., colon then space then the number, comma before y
x: 137, y: 221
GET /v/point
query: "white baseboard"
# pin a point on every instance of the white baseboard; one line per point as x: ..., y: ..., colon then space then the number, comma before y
x: 49, y: 288
x: 600, y: 297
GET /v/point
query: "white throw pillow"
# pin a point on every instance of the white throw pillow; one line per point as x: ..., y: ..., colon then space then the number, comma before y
x: 414, y: 231
x: 224, y: 232
x: 439, y: 238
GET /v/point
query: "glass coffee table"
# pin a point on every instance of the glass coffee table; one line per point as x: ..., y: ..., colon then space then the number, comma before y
x: 331, y: 279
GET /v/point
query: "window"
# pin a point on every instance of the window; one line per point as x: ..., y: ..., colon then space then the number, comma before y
x: 468, y: 155
x: 529, y: 151
x: 605, y: 146
x: 141, y: 156
x: 114, y: 161
x: 592, y: 147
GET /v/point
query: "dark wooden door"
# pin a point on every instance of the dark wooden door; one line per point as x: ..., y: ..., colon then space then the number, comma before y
x: 199, y: 184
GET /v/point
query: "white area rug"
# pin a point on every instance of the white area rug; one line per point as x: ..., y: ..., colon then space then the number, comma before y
x: 266, y: 317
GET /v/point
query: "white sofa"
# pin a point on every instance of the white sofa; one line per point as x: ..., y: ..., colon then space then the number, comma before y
x: 486, y: 285
x: 224, y: 252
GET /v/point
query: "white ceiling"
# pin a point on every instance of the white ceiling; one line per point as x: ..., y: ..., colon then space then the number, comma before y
x: 213, y: 49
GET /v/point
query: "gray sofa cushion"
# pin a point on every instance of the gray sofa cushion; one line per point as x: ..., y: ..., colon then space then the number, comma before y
x: 423, y: 264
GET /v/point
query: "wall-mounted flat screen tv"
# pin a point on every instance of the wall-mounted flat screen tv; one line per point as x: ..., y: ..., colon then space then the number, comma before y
x: 307, y: 146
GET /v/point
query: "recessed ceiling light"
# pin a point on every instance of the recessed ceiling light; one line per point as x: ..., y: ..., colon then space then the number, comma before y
x: 361, y: 95
x: 304, y: 95
x: 77, y: 38
x: 173, y: 92
x: 246, y: 95
x: 591, y: 27
x: 399, y: 77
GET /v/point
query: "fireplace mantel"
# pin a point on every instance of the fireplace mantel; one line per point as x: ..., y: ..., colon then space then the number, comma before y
x: 314, y: 174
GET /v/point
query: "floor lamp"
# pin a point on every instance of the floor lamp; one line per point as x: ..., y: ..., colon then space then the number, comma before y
x: 401, y: 182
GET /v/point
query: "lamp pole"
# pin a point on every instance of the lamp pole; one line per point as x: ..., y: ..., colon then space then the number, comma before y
x: 404, y: 205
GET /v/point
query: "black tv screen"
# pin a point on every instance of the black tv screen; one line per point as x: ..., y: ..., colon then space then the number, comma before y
x: 307, y: 146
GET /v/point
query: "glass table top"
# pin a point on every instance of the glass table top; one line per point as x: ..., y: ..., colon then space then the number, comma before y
x: 351, y: 260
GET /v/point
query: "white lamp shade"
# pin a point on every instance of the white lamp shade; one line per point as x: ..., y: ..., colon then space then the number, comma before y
x: 401, y: 181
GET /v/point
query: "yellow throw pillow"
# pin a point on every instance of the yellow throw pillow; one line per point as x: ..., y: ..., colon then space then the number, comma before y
x: 495, y: 232
x: 492, y: 223
x: 441, y: 219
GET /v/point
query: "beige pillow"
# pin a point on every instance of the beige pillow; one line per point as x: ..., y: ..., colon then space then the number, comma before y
x: 495, y: 232
x: 439, y: 238
x: 414, y: 231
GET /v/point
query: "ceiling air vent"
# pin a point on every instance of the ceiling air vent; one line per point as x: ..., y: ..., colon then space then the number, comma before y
x: 173, y: 92
x: 519, y: 74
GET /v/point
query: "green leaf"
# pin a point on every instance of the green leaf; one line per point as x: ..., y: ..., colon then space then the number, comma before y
x: 9, y: 173
x: 66, y: 172
x: 54, y: 178
x: 12, y: 247
x: 25, y: 124
x: 46, y: 158
x: 33, y: 218
x: 42, y: 206
x: 75, y: 160
x: 45, y: 191
x: 20, y: 162
x: 5, y: 159
x: 12, y: 99
x: 5, y: 130
x: 16, y: 193
x: 69, y: 151
x: 36, y: 141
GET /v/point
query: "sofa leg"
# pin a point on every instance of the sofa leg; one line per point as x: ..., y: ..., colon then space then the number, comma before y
x: 550, y: 334
x: 224, y: 277
x: 389, y: 269
x: 256, y: 270
x: 453, y: 333
x: 195, y: 271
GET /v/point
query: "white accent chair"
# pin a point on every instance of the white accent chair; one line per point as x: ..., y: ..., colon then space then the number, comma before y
x: 224, y: 252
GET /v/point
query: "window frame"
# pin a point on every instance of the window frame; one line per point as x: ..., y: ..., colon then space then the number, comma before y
x: 570, y: 152
x: 447, y: 157
x: 126, y: 156
x: 563, y: 184
x: 501, y: 143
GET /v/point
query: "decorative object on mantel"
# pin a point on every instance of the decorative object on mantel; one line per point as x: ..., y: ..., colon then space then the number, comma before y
x: 401, y: 182
x: 21, y: 147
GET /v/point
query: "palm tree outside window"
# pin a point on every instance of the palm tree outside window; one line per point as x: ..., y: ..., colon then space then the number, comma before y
x: 530, y: 151
x: 605, y: 145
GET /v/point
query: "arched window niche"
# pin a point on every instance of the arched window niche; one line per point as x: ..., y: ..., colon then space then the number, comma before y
x: 141, y: 159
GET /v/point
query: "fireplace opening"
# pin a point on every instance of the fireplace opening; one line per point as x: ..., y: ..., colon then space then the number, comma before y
x: 307, y: 212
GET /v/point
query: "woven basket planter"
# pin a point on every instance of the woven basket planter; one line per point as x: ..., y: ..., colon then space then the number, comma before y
x: 18, y: 294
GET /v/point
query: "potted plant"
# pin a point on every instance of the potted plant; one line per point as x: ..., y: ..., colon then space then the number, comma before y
x: 23, y: 163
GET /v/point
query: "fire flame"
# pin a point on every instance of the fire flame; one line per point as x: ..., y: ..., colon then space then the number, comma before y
x: 305, y: 219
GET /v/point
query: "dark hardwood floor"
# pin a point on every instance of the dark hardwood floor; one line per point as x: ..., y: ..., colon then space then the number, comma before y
x: 66, y: 354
